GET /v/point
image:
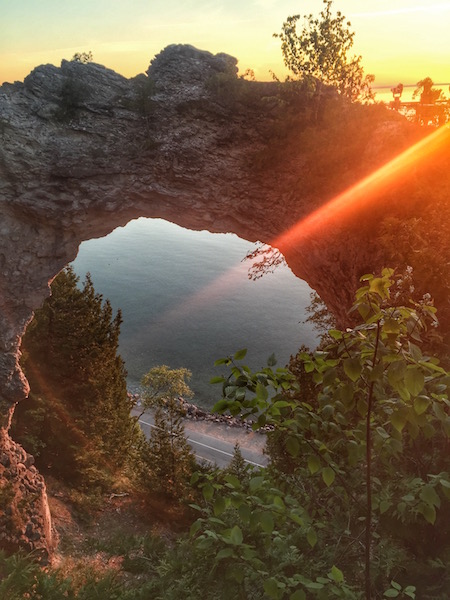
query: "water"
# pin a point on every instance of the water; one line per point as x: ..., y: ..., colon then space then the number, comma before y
x: 186, y: 300
x: 384, y: 93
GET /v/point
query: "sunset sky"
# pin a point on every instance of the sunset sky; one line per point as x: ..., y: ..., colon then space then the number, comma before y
x: 399, y: 40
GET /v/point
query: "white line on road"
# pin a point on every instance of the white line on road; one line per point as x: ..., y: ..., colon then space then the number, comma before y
x: 206, y: 446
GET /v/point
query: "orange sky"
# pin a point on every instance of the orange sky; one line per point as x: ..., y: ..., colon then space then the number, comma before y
x: 399, y: 40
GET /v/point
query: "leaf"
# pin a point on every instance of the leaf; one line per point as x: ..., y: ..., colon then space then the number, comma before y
x: 296, y: 518
x: 298, y: 595
x: 219, y: 505
x: 240, y: 354
x: 271, y: 361
x: 292, y: 445
x: 328, y: 476
x: 361, y: 407
x: 428, y: 494
x: 196, y: 525
x: 266, y: 521
x: 429, y: 512
x: 256, y: 483
x: 391, y: 326
x: 364, y: 310
x: 245, y: 513
x: 336, y: 574
x: 271, y: 588
x: 384, y: 506
x: 396, y: 372
x: 232, y: 481
x: 352, y: 368
x: 309, y: 367
x: 217, y: 379
x: 236, y: 536
x: 281, y: 404
x: 415, y: 351
x: 311, y: 537
x: 208, y: 492
x: 225, y: 553
x: 398, y: 420
x: 335, y: 334
x: 261, y: 391
x: 414, y: 380
x: 382, y: 433
x: 313, y: 464
x: 421, y: 403
x: 313, y: 585
x: 391, y: 593
x: 222, y: 361
x: 377, y: 285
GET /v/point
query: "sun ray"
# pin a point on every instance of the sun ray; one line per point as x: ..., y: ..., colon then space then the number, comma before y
x: 356, y: 198
x: 366, y: 191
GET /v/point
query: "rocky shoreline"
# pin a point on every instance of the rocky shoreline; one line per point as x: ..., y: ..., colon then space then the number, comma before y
x: 195, y: 413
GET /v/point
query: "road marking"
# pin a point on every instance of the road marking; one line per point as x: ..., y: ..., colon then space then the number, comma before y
x: 208, y: 447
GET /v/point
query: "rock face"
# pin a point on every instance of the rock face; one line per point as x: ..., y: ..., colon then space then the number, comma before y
x: 84, y: 150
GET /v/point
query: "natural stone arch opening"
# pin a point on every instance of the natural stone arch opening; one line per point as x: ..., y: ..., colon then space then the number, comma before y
x: 186, y: 299
x: 84, y: 150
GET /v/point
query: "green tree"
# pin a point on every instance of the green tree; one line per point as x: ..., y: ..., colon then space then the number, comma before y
x: 78, y: 413
x: 318, y: 56
x: 370, y: 488
x: 83, y: 57
x: 169, y: 456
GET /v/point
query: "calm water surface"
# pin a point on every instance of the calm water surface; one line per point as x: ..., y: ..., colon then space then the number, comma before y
x: 186, y: 300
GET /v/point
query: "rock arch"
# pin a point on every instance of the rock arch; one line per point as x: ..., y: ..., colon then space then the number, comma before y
x: 84, y: 150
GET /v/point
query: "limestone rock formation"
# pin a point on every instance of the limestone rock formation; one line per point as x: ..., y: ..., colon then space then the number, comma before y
x: 84, y: 150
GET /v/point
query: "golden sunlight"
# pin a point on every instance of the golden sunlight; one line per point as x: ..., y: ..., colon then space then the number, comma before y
x: 367, y: 190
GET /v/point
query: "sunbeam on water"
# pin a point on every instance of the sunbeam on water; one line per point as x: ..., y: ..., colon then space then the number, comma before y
x: 187, y: 300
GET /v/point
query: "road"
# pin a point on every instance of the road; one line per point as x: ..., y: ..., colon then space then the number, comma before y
x: 214, y: 442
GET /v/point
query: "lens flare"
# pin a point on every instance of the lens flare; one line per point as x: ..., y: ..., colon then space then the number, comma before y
x: 353, y: 200
x: 361, y: 195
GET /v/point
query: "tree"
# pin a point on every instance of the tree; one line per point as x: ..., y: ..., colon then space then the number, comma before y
x: 78, y: 384
x: 318, y: 55
x: 371, y: 488
x: 169, y: 456
x: 427, y: 112
x: 83, y: 57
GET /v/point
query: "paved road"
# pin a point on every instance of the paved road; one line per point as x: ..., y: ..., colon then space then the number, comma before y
x: 214, y: 442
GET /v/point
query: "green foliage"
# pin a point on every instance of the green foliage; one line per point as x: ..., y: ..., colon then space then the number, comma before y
x: 83, y: 57
x: 21, y: 577
x: 369, y: 480
x: 168, y: 456
x: 162, y: 385
x: 77, y: 419
x: 318, y: 54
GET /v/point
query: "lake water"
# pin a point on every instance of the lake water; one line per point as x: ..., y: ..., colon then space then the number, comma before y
x: 186, y: 300
x: 384, y: 93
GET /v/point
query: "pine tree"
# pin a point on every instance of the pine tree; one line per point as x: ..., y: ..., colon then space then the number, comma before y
x: 78, y: 384
x: 170, y: 459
